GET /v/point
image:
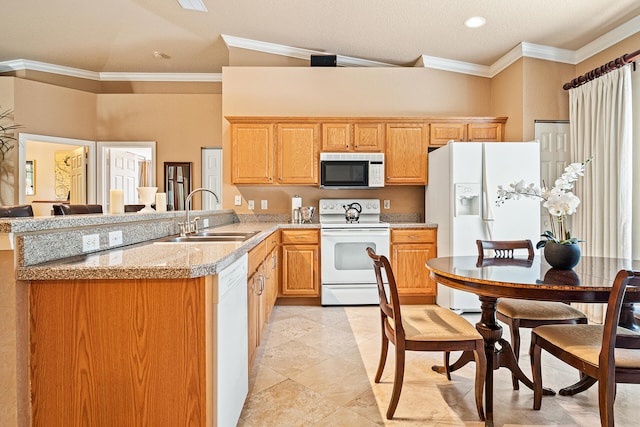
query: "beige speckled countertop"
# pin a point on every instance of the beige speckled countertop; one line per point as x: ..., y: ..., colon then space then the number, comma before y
x: 163, y: 260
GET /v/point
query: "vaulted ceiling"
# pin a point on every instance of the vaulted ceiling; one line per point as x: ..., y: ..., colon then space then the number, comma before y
x: 122, y: 35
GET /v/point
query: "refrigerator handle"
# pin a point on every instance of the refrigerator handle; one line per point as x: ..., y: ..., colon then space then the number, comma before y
x: 487, y: 200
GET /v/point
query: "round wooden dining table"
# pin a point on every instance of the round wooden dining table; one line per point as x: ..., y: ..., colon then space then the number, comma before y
x: 589, y: 281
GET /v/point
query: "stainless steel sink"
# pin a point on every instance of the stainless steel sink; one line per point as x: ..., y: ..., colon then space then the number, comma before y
x: 211, y: 236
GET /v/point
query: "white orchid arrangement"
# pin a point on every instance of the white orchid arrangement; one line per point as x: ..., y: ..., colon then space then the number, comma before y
x: 559, y: 201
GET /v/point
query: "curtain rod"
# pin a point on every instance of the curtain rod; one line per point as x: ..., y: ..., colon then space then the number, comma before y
x: 603, y: 69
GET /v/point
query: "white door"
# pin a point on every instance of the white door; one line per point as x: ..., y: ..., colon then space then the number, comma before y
x: 212, y: 177
x: 78, y: 187
x: 555, y: 155
x: 123, y: 174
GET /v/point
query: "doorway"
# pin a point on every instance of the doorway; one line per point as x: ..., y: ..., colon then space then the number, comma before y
x: 555, y: 155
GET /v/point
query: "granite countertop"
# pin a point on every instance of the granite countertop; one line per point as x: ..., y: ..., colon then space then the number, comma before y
x: 156, y: 259
x: 159, y: 259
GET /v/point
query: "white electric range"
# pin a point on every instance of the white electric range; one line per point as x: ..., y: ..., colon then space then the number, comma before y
x: 347, y: 271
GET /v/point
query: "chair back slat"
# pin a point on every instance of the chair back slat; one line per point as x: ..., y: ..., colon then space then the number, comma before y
x: 504, y: 249
x: 390, y: 307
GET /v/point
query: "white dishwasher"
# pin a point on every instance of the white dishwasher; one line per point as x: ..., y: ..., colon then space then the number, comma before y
x: 233, y: 348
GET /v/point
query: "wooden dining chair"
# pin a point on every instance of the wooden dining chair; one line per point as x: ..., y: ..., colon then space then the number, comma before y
x: 608, y: 353
x: 521, y: 313
x: 421, y: 328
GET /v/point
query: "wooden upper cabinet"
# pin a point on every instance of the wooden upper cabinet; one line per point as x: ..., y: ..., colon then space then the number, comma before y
x: 297, y: 153
x: 441, y: 133
x: 479, y: 130
x: 337, y: 137
x: 485, y: 132
x: 368, y: 137
x: 251, y: 153
x: 364, y: 137
x: 406, y: 153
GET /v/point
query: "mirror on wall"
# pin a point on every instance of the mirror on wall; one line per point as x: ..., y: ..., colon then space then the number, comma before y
x: 177, y: 184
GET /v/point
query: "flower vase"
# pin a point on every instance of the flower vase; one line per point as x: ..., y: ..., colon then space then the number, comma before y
x: 146, y: 196
x: 563, y: 257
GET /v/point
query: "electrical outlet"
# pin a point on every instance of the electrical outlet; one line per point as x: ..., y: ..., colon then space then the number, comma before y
x: 264, y: 204
x: 238, y: 201
x: 251, y: 205
x: 387, y: 204
x: 115, y: 238
x: 91, y: 242
x: 205, y: 223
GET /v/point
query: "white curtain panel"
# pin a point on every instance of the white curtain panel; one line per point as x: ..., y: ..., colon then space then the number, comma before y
x: 601, y: 127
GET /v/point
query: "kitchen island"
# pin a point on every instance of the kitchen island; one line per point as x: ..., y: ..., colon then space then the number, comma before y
x: 121, y: 335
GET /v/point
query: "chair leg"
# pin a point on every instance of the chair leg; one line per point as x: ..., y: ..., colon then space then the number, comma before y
x: 397, y: 380
x: 481, y: 370
x: 606, y: 398
x: 514, y: 328
x: 383, y: 356
x: 536, y: 369
x: 447, y: 370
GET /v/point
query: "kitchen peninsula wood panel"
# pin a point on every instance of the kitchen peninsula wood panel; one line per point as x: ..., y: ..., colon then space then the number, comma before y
x: 125, y: 352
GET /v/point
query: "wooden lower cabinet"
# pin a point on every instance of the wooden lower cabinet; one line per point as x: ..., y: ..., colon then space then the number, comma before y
x: 122, y: 352
x: 410, y: 248
x: 300, y: 263
x: 262, y: 289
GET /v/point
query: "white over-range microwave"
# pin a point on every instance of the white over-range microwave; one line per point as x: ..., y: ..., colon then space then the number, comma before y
x: 351, y: 170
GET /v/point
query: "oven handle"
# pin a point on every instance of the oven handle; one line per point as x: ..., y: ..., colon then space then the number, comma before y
x: 369, y: 231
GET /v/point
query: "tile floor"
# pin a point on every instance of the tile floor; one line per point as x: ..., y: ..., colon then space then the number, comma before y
x: 315, y: 367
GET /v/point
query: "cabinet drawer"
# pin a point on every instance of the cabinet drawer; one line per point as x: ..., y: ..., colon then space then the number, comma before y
x: 273, y: 241
x: 294, y: 237
x: 424, y: 235
x: 256, y: 256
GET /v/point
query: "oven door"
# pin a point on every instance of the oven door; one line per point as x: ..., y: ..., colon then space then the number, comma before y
x: 344, y: 254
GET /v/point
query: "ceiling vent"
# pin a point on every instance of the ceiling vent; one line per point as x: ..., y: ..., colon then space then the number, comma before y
x: 193, y: 5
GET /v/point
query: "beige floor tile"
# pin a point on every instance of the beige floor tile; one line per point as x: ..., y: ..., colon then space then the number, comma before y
x: 316, y: 365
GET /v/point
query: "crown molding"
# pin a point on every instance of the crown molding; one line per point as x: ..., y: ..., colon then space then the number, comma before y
x: 434, y: 62
x: 25, y: 64
x: 607, y: 40
x: 296, y: 52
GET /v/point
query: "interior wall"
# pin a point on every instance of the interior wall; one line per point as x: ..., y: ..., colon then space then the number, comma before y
x: 543, y: 96
x: 329, y: 91
x: 507, y: 98
x: 179, y: 123
x: 628, y: 45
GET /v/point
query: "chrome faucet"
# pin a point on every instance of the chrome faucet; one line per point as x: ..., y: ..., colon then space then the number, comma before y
x: 189, y: 227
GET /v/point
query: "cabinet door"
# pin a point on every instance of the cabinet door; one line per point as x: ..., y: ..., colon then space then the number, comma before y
x: 406, y: 153
x: 368, y: 137
x: 336, y: 137
x: 300, y: 272
x: 253, y: 316
x: 411, y: 273
x: 485, y: 132
x: 297, y: 153
x: 441, y: 133
x: 251, y: 153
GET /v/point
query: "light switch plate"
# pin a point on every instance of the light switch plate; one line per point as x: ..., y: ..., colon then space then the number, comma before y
x: 238, y: 201
x: 205, y: 223
x: 264, y: 204
x: 251, y: 204
x: 387, y: 204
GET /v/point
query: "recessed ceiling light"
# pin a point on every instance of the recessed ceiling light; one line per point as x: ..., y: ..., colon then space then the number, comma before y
x: 475, y: 22
x: 193, y: 5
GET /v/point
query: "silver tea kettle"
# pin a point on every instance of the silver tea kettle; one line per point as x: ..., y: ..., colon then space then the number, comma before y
x: 352, y: 211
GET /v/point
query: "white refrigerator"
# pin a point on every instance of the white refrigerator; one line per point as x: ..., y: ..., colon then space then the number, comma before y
x: 461, y: 199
